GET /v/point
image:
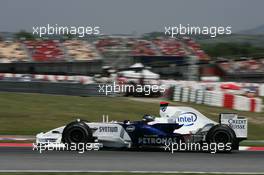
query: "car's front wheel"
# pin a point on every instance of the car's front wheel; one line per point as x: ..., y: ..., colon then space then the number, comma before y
x: 77, y: 132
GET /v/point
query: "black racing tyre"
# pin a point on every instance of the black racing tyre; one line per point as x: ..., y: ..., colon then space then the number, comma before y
x: 77, y: 132
x: 222, y: 134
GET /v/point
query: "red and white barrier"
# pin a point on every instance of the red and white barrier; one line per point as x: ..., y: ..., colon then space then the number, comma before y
x: 255, y: 89
x: 251, y: 148
x: 217, y: 98
x: 247, y: 104
x: 228, y: 100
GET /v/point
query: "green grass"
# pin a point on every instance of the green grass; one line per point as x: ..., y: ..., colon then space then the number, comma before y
x: 30, y: 114
x: 251, y: 143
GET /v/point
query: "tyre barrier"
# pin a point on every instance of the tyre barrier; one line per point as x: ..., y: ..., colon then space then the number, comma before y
x: 185, y: 94
x: 199, y: 96
x: 218, y: 99
x: 192, y: 95
x: 177, y: 93
x: 261, y: 90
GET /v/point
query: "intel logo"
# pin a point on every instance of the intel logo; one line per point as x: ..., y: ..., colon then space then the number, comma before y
x: 187, y: 118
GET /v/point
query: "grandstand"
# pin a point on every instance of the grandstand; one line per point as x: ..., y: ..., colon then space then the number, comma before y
x: 73, y: 56
x: 45, y: 50
x: 244, y: 66
x: 78, y: 50
x: 251, y: 70
x: 12, y: 52
x: 195, y: 49
x: 169, y: 47
x: 110, y: 47
x: 105, y: 46
x: 144, y: 48
x: 168, y: 57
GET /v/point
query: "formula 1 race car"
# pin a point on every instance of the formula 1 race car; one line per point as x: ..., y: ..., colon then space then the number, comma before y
x: 175, y: 124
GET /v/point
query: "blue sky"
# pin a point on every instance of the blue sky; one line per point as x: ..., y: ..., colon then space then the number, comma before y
x: 130, y: 16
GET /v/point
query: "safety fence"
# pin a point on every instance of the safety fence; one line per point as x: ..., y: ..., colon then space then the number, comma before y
x: 47, y: 78
x: 54, y: 88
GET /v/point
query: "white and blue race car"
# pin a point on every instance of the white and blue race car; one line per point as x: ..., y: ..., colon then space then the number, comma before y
x: 175, y: 124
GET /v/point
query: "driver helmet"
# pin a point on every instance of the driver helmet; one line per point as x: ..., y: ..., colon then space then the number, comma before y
x: 148, y: 118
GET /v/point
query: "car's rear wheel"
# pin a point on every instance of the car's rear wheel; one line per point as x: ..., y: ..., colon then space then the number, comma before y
x: 224, y: 135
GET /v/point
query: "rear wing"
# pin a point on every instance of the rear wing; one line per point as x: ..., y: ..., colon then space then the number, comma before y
x: 237, y: 123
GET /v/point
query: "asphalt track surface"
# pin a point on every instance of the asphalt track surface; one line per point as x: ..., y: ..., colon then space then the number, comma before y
x: 25, y: 159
